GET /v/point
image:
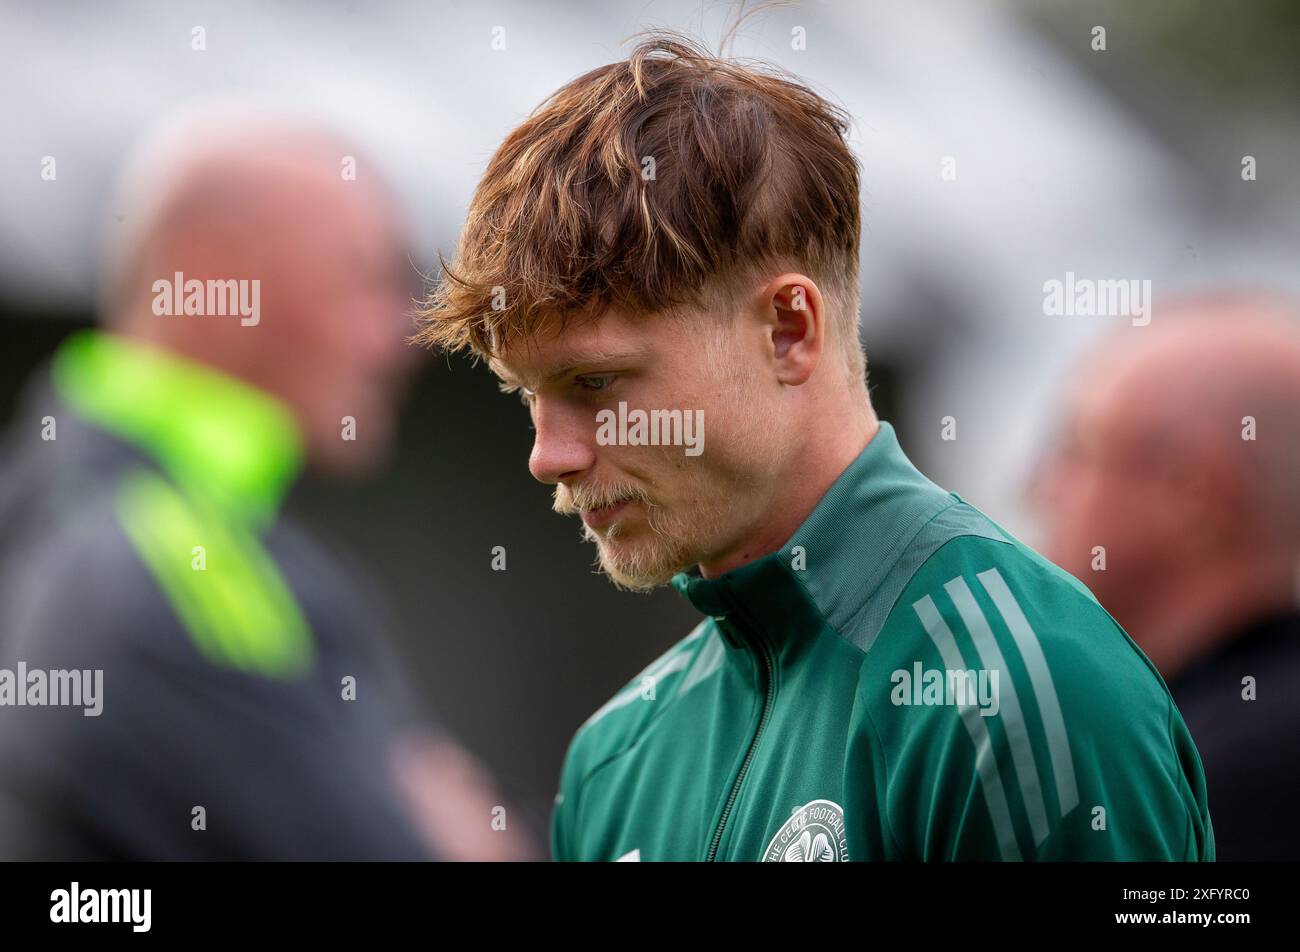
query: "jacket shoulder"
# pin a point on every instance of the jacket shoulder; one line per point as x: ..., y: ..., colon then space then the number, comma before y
x: 995, y: 577
x: 1065, y: 721
x: 983, y: 598
x: 618, y: 722
x: 161, y: 575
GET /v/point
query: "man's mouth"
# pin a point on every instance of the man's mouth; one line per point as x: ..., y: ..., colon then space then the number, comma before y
x: 603, y: 516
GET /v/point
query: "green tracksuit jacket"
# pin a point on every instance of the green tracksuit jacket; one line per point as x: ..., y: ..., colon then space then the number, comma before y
x: 903, y: 680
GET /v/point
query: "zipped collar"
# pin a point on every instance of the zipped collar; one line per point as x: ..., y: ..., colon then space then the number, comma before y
x: 213, y: 434
x: 828, y: 571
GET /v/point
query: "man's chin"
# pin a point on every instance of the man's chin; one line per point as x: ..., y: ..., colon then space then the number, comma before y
x: 635, y: 567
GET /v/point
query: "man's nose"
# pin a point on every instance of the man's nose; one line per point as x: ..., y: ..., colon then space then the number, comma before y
x: 563, y: 445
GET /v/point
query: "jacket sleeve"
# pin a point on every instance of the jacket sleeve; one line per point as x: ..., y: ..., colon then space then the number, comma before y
x: 966, y: 798
x: 1074, y: 752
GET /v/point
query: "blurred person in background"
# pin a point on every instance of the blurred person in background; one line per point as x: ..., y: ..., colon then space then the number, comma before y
x: 1174, y: 494
x: 253, y: 322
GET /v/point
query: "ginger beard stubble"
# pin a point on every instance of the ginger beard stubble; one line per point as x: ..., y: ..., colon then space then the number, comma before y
x: 688, y: 508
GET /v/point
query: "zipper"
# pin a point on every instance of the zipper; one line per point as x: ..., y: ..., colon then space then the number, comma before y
x: 768, y: 698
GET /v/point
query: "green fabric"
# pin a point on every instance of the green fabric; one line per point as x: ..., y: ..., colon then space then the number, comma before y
x: 775, y: 730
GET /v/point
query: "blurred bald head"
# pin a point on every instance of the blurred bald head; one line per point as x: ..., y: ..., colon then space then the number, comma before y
x: 229, y: 196
x: 1179, y: 463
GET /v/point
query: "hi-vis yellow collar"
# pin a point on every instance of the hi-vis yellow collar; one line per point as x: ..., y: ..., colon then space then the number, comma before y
x: 213, y: 434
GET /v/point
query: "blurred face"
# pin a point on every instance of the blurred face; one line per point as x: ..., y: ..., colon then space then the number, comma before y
x: 651, y: 510
x: 336, y: 295
x: 1106, y: 484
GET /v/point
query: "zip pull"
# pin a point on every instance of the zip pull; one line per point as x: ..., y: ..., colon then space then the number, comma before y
x: 729, y: 632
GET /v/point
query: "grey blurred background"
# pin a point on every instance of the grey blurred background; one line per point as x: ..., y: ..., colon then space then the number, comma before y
x: 1122, y: 163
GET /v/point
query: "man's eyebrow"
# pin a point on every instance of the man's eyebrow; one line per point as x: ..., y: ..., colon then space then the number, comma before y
x: 571, y: 363
x: 583, y: 359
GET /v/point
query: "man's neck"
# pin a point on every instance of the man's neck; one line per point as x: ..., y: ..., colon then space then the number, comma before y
x: 814, y: 471
x: 1199, y: 614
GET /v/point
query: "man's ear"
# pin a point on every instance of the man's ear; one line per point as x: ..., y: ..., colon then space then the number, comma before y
x: 794, y: 326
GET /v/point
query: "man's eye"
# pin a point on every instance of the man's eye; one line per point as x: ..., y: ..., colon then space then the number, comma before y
x: 595, y: 384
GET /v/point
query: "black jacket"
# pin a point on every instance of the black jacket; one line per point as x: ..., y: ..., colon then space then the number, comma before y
x: 190, y: 716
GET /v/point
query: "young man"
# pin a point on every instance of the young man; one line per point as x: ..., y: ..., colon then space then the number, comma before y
x: 668, y: 249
